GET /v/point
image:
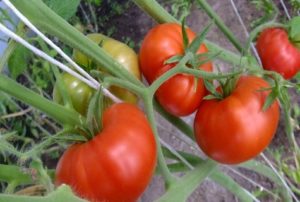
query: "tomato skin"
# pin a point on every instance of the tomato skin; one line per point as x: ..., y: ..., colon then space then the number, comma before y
x: 117, y: 164
x: 122, y: 53
x: 235, y: 129
x: 79, y: 92
x: 177, y: 95
x: 277, y: 53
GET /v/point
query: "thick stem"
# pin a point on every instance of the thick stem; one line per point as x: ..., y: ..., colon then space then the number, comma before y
x: 155, y: 10
x: 219, y: 22
x: 56, y: 111
x: 169, y: 178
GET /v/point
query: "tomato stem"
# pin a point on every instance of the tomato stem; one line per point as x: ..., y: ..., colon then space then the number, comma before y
x: 219, y: 22
x: 169, y: 178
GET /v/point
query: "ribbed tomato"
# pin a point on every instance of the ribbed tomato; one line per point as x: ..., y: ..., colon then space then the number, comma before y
x: 117, y: 164
x: 278, y: 53
x: 236, y: 129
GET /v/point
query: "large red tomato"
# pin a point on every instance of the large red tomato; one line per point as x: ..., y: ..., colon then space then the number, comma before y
x: 177, y: 95
x: 117, y: 164
x: 277, y: 53
x: 236, y: 128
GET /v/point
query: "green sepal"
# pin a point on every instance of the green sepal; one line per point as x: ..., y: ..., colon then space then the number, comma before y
x: 194, y: 46
x: 174, y: 59
x: 95, y: 111
x: 184, y: 35
x: 270, y: 100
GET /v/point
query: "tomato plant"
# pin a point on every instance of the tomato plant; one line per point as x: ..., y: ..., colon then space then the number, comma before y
x: 278, y: 53
x: 122, y: 53
x: 236, y: 128
x: 178, y: 95
x: 117, y: 164
x: 79, y: 92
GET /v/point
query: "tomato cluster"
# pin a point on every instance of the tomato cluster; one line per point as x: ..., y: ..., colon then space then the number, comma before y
x: 231, y: 130
x: 118, y: 163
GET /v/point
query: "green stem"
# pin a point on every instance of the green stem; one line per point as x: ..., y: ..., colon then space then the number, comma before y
x: 231, y: 57
x: 10, y: 189
x: 289, y: 127
x: 44, y: 178
x: 160, y: 80
x: 169, y: 178
x: 56, y: 111
x: 179, y: 123
x: 155, y: 10
x: 219, y: 22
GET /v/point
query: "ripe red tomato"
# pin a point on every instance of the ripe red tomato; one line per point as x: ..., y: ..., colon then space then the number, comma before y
x: 117, y: 164
x: 277, y: 53
x: 178, y: 94
x: 236, y: 128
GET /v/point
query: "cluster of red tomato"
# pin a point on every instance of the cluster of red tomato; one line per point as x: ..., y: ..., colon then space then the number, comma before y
x: 117, y: 164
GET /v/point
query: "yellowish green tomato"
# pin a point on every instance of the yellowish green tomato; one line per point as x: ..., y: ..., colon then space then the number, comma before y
x: 121, y: 53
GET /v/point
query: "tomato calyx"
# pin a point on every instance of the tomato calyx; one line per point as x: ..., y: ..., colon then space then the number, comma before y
x: 226, y: 86
x: 294, y: 31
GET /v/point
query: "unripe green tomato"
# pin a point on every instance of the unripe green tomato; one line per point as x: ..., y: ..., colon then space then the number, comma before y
x: 121, y: 53
x: 79, y: 92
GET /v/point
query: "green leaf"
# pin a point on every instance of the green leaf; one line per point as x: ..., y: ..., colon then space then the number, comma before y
x: 194, y: 46
x: 182, y: 189
x: 62, y: 193
x: 18, y: 61
x: 65, y: 8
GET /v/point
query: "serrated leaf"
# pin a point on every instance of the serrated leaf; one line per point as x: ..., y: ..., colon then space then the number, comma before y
x: 62, y: 193
x: 173, y: 59
x: 18, y: 61
x: 194, y: 46
x: 65, y: 8
x: 184, y: 35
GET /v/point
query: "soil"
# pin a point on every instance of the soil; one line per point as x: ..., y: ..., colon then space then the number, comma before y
x: 134, y: 24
